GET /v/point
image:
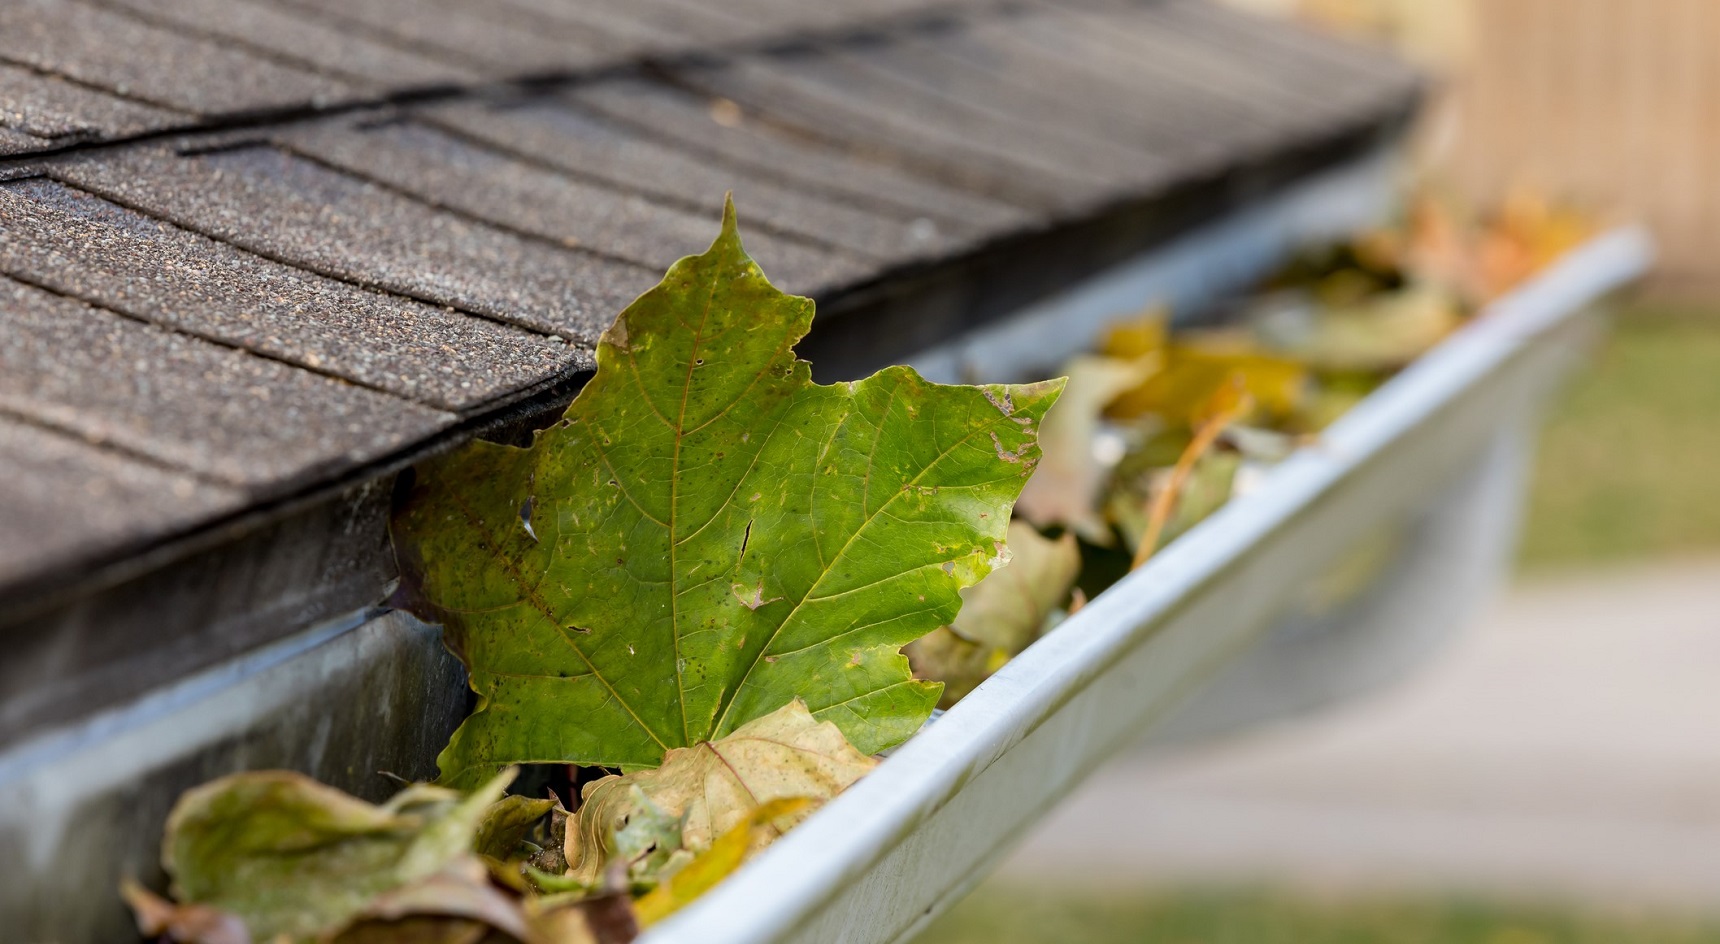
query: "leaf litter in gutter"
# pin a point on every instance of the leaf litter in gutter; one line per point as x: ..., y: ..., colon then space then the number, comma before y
x: 706, y: 521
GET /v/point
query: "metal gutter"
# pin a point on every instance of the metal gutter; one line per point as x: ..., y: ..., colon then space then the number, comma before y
x: 384, y: 694
x: 877, y: 863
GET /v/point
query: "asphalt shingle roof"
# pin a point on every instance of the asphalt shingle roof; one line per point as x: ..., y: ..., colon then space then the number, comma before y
x: 255, y: 251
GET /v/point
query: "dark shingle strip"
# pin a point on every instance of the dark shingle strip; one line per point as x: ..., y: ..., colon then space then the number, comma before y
x: 17, y: 142
x: 1250, y: 86
x: 363, y: 60
x: 982, y: 66
x: 147, y: 63
x: 585, y: 144
x: 624, y: 34
x: 62, y: 500
x: 52, y: 109
x: 224, y: 414
x: 1017, y: 127
x: 81, y: 245
x: 289, y: 208
x: 877, y: 130
x: 1172, y: 91
x: 486, y: 35
x: 1343, y: 63
x: 1352, y: 80
x: 476, y: 180
x: 790, y: 16
x: 1191, y: 126
x: 691, y: 124
x: 675, y: 24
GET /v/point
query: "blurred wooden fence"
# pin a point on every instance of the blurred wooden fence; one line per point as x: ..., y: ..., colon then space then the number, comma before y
x: 1614, y: 103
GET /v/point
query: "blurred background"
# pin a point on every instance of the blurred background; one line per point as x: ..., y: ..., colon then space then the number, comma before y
x: 1554, y: 775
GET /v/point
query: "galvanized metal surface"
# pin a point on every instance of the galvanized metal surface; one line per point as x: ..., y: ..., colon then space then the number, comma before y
x: 896, y: 848
x: 82, y: 807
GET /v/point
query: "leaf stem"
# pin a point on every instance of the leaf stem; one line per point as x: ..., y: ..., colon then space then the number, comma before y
x: 1231, y: 403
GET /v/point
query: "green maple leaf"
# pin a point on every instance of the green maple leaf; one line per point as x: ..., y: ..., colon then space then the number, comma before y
x: 707, y: 534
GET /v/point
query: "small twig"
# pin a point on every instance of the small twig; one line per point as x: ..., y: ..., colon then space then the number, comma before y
x: 1231, y: 402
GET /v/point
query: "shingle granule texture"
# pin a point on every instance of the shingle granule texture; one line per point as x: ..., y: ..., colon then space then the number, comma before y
x: 53, y: 112
x: 488, y: 36
x: 62, y: 499
x: 485, y: 183
x: 226, y: 415
x: 691, y: 124
x: 88, y: 248
x: 83, y: 246
x: 773, y: 91
x: 102, y: 48
x: 563, y: 136
x: 366, y: 62
x: 290, y: 208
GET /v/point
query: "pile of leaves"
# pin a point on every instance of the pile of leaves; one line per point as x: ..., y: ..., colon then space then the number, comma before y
x: 715, y: 590
x: 1158, y: 429
x: 275, y: 856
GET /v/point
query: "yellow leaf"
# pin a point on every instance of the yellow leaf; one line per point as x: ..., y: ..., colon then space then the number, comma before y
x: 1228, y: 403
x: 1198, y: 369
x: 716, y: 863
x: 1138, y: 337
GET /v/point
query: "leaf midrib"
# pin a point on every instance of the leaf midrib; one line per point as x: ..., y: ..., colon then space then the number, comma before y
x: 675, y: 500
x: 729, y: 696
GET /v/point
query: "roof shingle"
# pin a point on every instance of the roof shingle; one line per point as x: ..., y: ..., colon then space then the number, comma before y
x: 80, y: 245
x: 222, y: 414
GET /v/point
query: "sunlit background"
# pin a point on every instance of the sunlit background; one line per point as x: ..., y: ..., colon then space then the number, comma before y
x: 1554, y: 775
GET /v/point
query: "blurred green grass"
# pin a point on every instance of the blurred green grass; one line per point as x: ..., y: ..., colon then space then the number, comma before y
x: 1245, y: 916
x: 1629, y: 464
x: 1628, y: 470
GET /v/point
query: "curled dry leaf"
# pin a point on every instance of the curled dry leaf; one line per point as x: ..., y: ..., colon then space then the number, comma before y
x: 712, y: 787
x: 708, y: 534
x: 1376, y: 335
x: 295, y: 860
x: 453, y: 906
x: 725, y: 855
x: 1001, y: 614
x: 507, y: 823
x: 606, y: 917
x: 1065, y: 488
x: 182, y: 924
x: 652, y: 842
x: 519, y: 839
